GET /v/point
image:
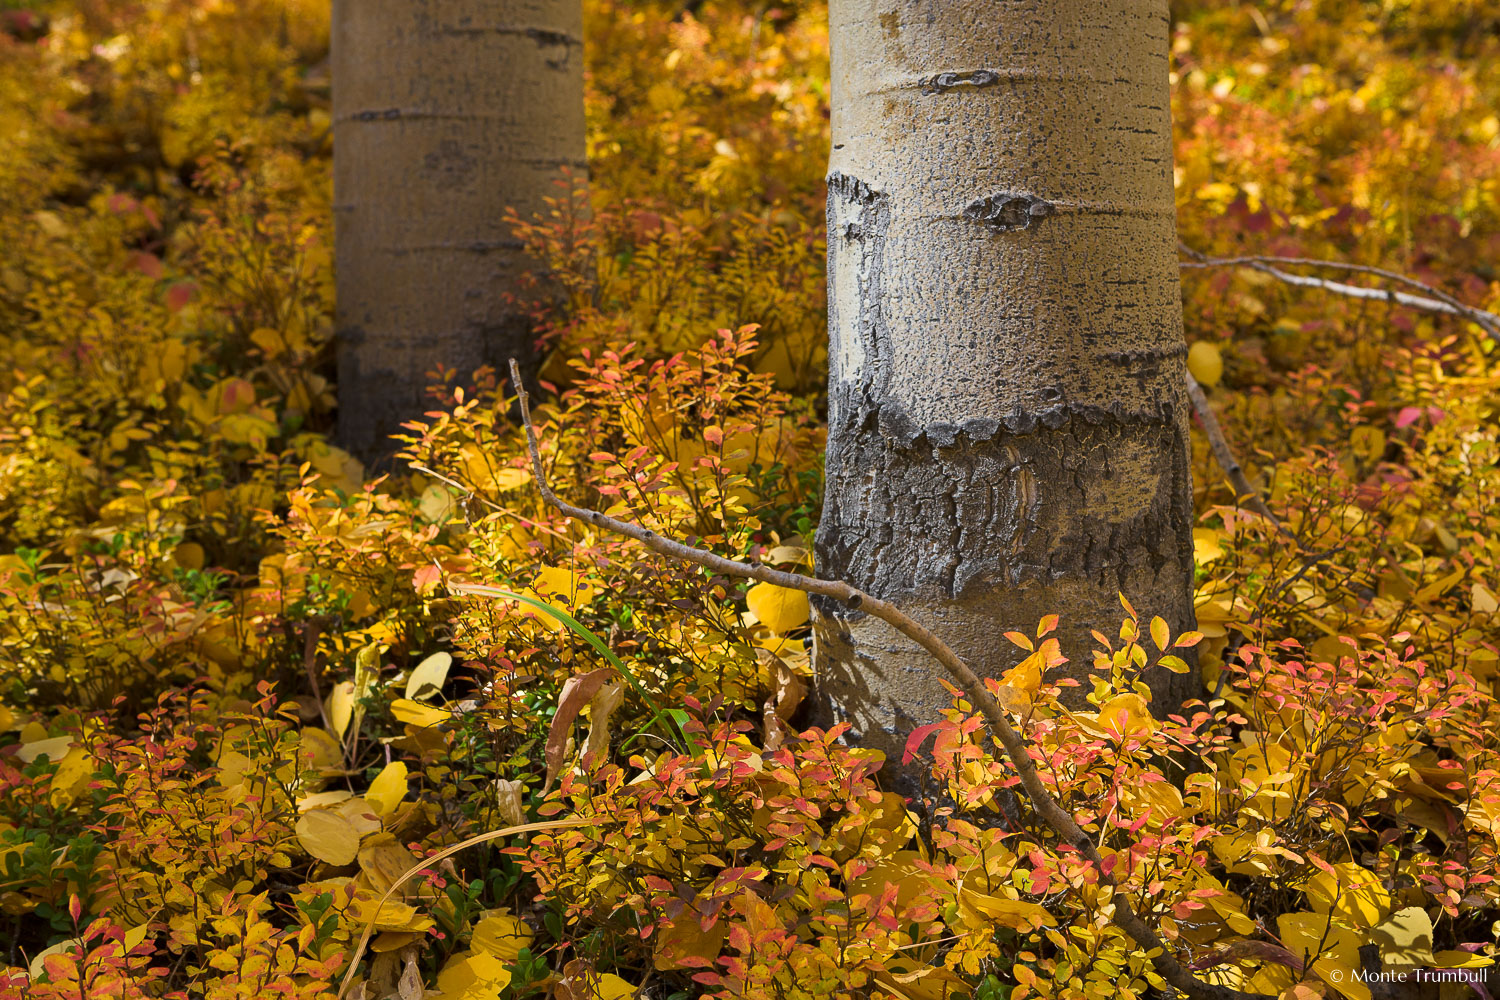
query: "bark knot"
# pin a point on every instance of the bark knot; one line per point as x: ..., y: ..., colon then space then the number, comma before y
x: 1008, y: 211
x: 973, y: 79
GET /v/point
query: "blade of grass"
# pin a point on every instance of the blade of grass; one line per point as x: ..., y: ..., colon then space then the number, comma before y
x: 678, y: 717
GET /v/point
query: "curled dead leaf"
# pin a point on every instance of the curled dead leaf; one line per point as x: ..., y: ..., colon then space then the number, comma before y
x: 576, y: 693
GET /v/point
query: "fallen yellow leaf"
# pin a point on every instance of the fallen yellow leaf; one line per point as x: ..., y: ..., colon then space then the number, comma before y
x: 388, y: 789
x: 473, y: 975
x: 779, y: 609
x: 328, y: 837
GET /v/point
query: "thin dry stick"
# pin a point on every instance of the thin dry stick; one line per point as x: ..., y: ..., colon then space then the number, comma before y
x: 1244, y: 492
x: 979, y: 696
x: 1434, y: 301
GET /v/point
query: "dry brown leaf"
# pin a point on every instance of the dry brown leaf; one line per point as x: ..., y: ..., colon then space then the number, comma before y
x: 409, y: 987
x: 601, y: 707
x: 576, y: 693
x: 508, y: 799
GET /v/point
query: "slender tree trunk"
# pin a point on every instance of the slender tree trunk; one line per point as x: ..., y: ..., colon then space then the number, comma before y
x: 1008, y: 427
x: 446, y: 112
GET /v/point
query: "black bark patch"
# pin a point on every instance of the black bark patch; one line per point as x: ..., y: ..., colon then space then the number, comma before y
x: 1137, y: 357
x: 1007, y: 211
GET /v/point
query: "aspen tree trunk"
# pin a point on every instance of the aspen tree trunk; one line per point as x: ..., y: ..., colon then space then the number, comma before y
x: 1008, y: 428
x: 446, y: 112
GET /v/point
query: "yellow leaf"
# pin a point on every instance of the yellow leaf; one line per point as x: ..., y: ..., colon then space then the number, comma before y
x: 1013, y: 913
x: 73, y: 775
x: 341, y: 707
x: 360, y: 814
x: 782, y: 554
x: 189, y: 555
x: 437, y: 504
x: 38, y: 964
x: 430, y: 673
x: 328, y: 837
x: 384, y: 861
x: 779, y: 609
x: 686, y: 945
x: 1461, y: 960
x: 1334, y: 947
x: 1019, y: 685
x: 1482, y: 600
x: 511, y: 478
x: 601, y: 707
x: 1126, y: 715
x: 391, y: 941
x: 899, y: 868
x: 561, y: 587
x: 269, y: 341
x: 501, y: 934
x: 1405, y: 938
x: 1206, y: 547
x: 414, y: 713
x: 1205, y: 363
x: 388, y: 789
x: 1160, y: 633
x: 923, y: 983
x: 320, y: 751
x: 320, y: 800
x: 473, y: 976
x: 1227, y: 905
x: 392, y: 916
x: 1350, y: 891
x: 612, y: 987
x: 55, y: 748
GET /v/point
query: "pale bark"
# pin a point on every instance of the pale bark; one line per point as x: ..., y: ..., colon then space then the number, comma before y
x: 1008, y: 424
x: 446, y: 112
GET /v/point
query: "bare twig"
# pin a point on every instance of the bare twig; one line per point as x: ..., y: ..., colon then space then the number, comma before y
x: 1015, y: 746
x: 1433, y: 300
x: 310, y: 632
x: 1244, y: 492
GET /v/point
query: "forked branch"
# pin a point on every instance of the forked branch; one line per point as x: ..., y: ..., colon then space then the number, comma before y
x: 1015, y: 746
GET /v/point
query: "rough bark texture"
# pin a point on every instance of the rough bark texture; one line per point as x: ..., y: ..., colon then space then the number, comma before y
x: 1008, y: 428
x: 446, y: 112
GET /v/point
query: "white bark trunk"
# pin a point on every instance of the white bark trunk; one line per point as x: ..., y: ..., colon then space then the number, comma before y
x: 446, y: 112
x: 1007, y: 420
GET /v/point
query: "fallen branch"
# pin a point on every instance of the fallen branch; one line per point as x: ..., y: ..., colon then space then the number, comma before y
x: 1051, y: 813
x: 1432, y: 300
x: 1244, y: 492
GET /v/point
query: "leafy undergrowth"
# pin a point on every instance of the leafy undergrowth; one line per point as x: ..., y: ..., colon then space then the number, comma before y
x: 244, y: 691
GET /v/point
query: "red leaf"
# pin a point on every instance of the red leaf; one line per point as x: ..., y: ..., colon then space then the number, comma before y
x: 180, y: 294
x: 147, y: 263
x: 918, y: 737
x: 426, y: 579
